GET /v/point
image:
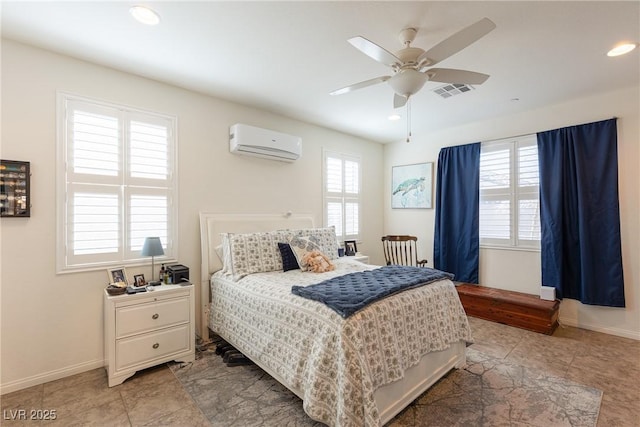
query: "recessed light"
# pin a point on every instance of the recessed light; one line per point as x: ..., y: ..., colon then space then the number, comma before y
x: 145, y: 15
x: 394, y: 117
x: 621, y: 49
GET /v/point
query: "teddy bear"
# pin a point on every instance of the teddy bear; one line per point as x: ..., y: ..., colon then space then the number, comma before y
x: 317, y: 262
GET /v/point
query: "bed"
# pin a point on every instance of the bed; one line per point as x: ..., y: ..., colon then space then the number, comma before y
x: 362, y: 370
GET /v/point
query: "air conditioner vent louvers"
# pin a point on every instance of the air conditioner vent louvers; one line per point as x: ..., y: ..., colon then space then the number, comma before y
x: 449, y: 90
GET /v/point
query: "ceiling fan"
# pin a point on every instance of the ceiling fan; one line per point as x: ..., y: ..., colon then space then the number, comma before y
x: 412, y: 66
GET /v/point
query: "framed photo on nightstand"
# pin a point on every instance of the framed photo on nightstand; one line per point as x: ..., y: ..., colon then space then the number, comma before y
x: 138, y: 280
x: 350, y: 247
x: 118, y: 274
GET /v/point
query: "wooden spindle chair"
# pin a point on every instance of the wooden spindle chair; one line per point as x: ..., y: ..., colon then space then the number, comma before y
x: 401, y: 250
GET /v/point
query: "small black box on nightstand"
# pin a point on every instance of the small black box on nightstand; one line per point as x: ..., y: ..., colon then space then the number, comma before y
x: 178, y: 273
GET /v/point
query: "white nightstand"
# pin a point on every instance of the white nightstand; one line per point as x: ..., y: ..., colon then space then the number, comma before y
x: 361, y: 258
x: 148, y: 328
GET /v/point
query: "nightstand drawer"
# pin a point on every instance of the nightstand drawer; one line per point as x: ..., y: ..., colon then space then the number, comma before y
x: 154, y: 345
x: 151, y: 316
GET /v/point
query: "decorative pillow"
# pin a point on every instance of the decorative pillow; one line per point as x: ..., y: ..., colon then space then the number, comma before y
x: 300, y: 246
x: 317, y: 262
x: 255, y: 253
x: 289, y: 261
x: 325, y: 238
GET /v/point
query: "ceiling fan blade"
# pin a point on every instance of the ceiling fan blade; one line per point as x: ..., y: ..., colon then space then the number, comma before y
x: 360, y: 85
x: 399, y: 101
x: 374, y: 51
x: 450, y: 75
x: 457, y: 42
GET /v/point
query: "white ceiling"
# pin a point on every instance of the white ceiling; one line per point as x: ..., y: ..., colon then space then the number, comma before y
x: 287, y: 56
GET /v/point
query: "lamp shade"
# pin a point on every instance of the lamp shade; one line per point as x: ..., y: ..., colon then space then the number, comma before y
x: 152, y: 247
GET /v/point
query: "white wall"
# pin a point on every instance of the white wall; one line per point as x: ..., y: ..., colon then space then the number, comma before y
x: 51, y: 325
x: 520, y: 271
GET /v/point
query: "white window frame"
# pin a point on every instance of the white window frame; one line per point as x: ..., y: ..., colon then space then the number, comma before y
x: 342, y: 197
x: 122, y: 185
x: 514, y: 194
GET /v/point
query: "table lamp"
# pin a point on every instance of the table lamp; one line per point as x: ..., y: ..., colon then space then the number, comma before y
x: 152, y: 247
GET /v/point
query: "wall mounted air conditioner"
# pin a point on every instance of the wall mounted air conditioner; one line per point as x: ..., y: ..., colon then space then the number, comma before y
x: 253, y: 141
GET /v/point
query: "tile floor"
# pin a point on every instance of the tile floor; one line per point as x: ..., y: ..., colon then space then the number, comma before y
x: 154, y: 397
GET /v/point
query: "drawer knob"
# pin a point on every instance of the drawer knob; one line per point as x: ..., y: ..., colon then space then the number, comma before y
x: 155, y: 316
x: 156, y: 345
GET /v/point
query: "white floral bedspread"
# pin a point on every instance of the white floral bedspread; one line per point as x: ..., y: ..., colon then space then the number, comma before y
x: 335, y: 364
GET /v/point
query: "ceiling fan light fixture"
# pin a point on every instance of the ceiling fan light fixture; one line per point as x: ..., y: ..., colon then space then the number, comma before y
x: 144, y: 15
x: 407, y: 82
x: 410, y: 65
x: 622, y: 48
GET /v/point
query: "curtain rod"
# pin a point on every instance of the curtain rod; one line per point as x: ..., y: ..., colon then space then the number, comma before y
x: 523, y: 134
x: 534, y: 133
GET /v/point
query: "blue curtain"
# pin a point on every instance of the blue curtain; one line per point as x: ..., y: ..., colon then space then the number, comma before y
x: 456, y: 246
x: 579, y: 213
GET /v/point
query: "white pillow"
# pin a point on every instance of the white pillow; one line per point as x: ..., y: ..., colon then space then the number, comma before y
x: 224, y: 254
x: 302, y: 245
x: 219, y: 252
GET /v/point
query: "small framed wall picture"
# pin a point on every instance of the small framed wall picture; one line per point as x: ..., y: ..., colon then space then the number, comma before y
x: 350, y: 247
x: 138, y: 280
x: 15, y: 198
x: 411, y: 186
x: 118, y: 275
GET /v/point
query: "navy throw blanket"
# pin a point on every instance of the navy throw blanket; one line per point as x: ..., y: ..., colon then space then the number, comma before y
x: 349, y: 293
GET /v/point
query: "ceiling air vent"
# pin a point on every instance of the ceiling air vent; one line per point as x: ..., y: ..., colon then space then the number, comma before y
x: 449, y: 90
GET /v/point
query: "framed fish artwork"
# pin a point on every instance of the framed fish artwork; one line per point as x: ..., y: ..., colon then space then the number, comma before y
x: 412, y: 186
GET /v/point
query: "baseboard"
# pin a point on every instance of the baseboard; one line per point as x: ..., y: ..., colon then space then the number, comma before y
x: 50, y: 376
x: 625, y: 333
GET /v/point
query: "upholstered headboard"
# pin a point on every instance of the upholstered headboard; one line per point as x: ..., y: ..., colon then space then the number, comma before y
x: 212, y: 224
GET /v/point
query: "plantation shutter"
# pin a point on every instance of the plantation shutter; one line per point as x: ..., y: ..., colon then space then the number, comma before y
x: 342, y: 194
x: 118, y: 183
x: 94, y: 169
x: 528, y: 194
x: 149, y: 180
x: 509, y: 203
x: 351, y: 198
x: 495, y: 193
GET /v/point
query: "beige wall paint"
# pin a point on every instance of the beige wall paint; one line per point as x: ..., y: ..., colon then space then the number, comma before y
x: 51, y: 325
x: 520, y: 270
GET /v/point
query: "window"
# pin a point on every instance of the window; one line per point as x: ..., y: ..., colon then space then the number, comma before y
x: 509, y: 202
x: 116, y: 183
x: 342, y: 194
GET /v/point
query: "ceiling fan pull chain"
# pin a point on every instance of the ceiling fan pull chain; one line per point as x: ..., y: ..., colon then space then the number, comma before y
x: 409, y: 120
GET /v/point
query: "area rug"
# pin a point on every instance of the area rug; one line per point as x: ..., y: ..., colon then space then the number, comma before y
x: 488, y: 392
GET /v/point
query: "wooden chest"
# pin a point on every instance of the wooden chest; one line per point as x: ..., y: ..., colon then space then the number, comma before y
x: 511, y: 308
